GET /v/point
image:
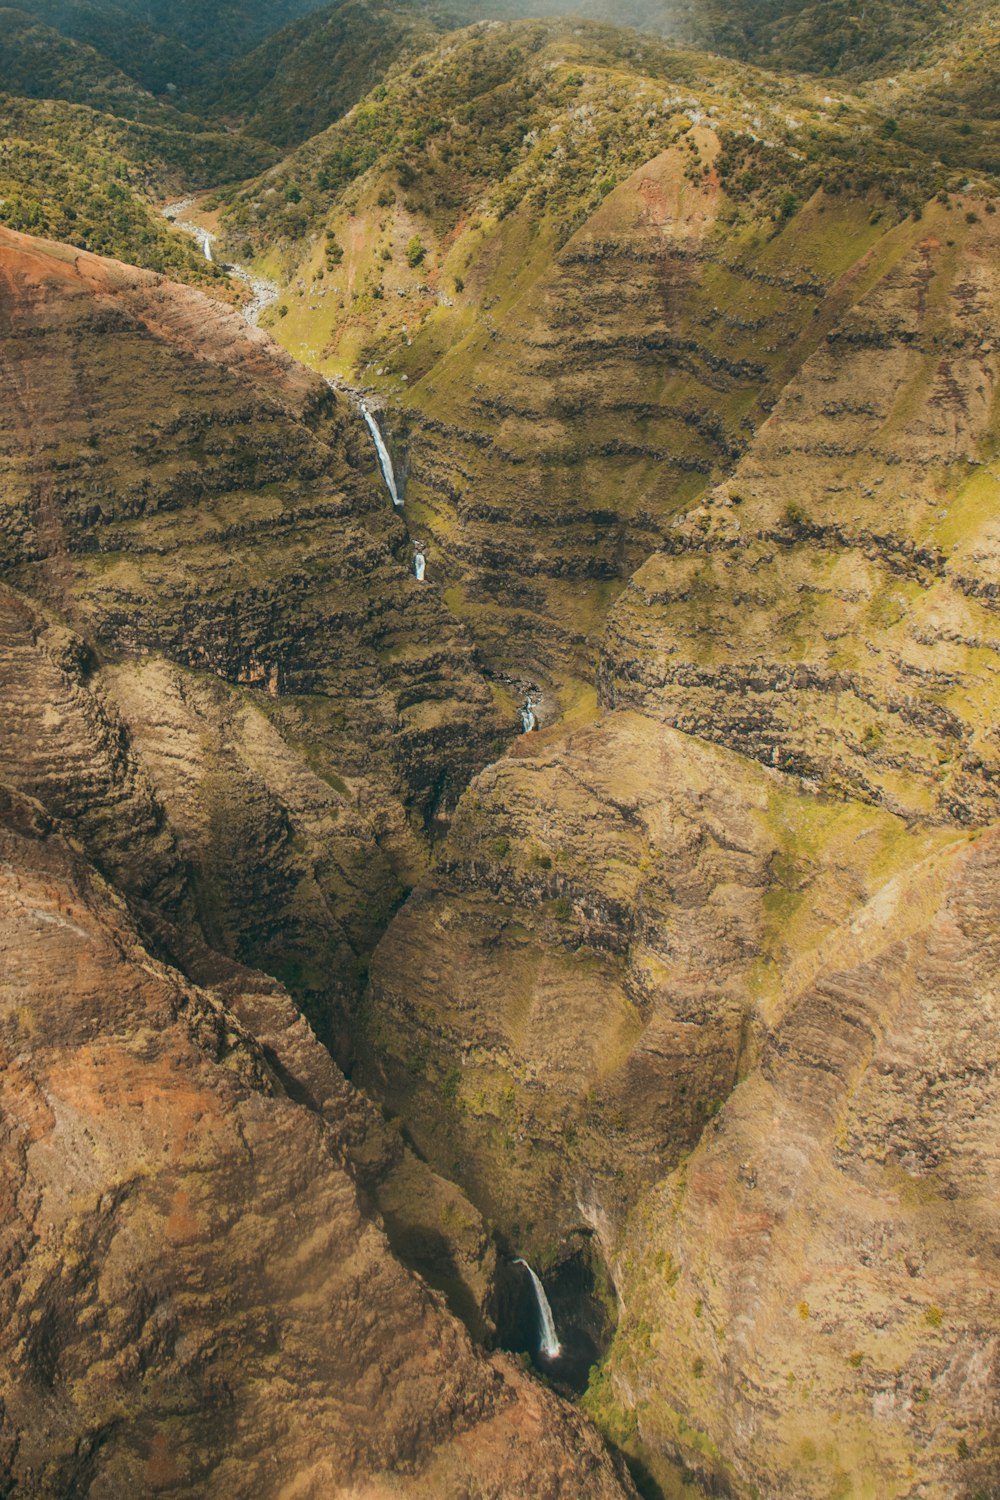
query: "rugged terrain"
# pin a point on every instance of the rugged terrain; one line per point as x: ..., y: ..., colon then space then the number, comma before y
x: 628, y: 928
x: 236, y: 562
x: 689, y: 370
x: 579, y: 321
x: 830, y: 1246
x: 197, y: 1199
x: 181, y: 1230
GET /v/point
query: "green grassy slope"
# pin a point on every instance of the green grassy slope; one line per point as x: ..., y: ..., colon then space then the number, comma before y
x: 88, y: 178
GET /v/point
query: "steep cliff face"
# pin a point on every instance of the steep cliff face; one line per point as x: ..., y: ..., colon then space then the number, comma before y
x: 304, y: 707
x: 180, y: 1231
x: 831, y: 1245
x: 608, y: 938
x: 685, y: 374
x: 832, y: 608
x: 217, y: 808
x: 221, y: 839
x: 626, y: 929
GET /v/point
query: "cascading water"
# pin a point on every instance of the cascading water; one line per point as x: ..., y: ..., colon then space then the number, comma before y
x: 419, y: 565
x: 550, y: 1346
x: 384, y: 457
x: 529, y: 720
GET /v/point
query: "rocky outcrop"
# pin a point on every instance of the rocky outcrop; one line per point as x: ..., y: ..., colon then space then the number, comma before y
x: 63, y: 743
x: 193, y: 1301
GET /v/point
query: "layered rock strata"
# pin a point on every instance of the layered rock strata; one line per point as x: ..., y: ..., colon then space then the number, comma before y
x: 830, y: 1249
x: 609, y: 936
x: 832, y: 609
x: 238, y: 536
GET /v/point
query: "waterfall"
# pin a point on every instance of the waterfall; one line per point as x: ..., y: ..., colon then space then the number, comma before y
x: 384, y: 458
x: 419, y: 565
x: 207, y: 246
x: 529, y: 722
x: 550, y: 1345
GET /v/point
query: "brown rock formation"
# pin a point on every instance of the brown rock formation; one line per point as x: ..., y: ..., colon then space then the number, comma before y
x: 179, y: 490
x: 609, y: 935
x: 831, y: 1247
x: 193, y: 1302
x: 709, y: 980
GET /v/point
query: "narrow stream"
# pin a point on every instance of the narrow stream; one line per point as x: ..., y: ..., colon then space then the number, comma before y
x: 264, y: 293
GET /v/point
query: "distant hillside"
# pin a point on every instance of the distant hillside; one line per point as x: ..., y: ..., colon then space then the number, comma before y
x: 39, y: 62
x: 130, y: 42
x: 86, y: 149
x: 310, y: 73
x: 168, y: 45
x: 817, y: 36
x: 832, y: 36
x: 949, y: 102
x: 71, y: 173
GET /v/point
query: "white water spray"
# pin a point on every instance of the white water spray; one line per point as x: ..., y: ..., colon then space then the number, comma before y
x: 529, y: 723
x: 419, y: 566
x: 550, y: 1345
x: 384, y: 457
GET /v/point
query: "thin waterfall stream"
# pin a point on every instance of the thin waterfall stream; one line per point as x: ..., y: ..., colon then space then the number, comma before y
x: 265, y: 293
x: 384, y: 457
x: 549, y: 1345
